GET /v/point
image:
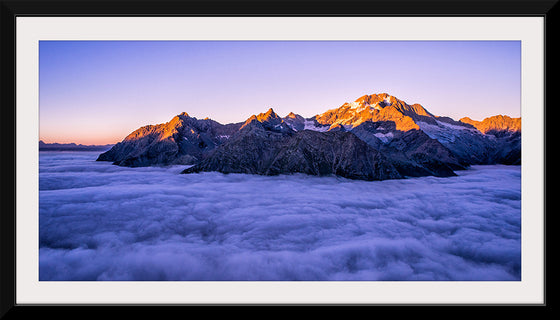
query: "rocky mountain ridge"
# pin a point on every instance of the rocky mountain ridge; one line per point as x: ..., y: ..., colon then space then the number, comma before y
x: 495, y: 125
x: 266, y: 145
x: 375, y: 137
x: 182, y: 140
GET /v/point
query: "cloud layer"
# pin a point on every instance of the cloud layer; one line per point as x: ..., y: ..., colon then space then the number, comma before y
x: 103, y: 222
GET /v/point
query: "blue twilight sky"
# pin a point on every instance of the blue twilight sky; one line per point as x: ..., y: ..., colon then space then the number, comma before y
x: 96, y: 92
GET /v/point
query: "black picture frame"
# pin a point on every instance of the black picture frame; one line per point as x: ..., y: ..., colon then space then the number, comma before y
x: 12, y: 9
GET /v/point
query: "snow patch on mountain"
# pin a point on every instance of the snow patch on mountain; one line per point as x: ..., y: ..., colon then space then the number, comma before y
x: 387, y: 100
x: 438, y: 132
x: 455, y: 127
x: 444, y: 132
x: 354, y: 105
x: 310, y: 125
x: 362, y: 108
x: 384, y: 137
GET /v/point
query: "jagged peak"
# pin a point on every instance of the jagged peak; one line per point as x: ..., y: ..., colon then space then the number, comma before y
x: 292, y: 115
x: 270, y: 114
x: 382, y: 99
x: 494, y: 123
x: 176, y: 121
x: 373, y: 101
x: 251, y: 119
x: 264, y: 117
x: 268, y: 120
x: 380, y: 96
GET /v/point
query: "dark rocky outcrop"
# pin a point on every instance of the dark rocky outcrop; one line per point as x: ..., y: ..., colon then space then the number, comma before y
x: 250, y: 150
x: 295, y: 121
x: 332, y: 153
x: 508, y: 148
x: 426, y: 153
x: 257, y: 150
x: 413, y: 153
x: 505, y: 135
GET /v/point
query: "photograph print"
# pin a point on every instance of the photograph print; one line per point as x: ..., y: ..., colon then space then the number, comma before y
x: 279, y: 160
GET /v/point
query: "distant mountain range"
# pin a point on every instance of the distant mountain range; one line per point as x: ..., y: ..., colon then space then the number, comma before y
x: 375, y: 137
x: 72, y: 147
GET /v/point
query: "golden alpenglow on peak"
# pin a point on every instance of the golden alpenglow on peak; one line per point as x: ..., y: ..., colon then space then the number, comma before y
x: 270, y: 114
x: 374, y: 107
x: 375, y: 98
x: 495, y: 123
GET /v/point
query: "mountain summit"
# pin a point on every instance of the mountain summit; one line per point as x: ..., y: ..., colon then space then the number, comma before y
x: 182, y: 140
x: 375, y: 107
x: 269, y: 120
x: 495, y: 124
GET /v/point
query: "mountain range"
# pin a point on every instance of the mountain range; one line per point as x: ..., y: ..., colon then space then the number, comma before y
x: 43, y: 146
x: 376, y: 137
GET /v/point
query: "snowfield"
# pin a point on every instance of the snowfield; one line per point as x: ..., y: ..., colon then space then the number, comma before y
x: 445, y: 132
x: 310, y: 125
x: 98, y: 221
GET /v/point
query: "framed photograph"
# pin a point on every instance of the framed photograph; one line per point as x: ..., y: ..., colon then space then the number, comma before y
x: 267, y: 153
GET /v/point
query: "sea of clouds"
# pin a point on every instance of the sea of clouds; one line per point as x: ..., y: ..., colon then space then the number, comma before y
x: 98, y: 221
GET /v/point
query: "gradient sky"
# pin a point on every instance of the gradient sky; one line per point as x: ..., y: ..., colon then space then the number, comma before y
x: 97, y: 92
